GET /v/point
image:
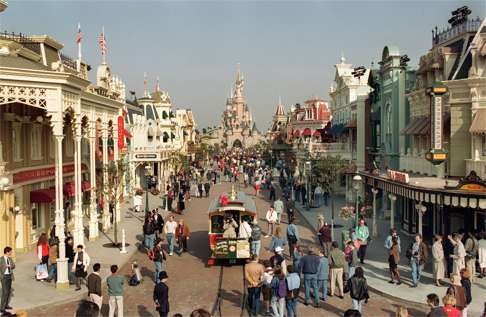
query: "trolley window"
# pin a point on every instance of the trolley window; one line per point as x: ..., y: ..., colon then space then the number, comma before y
x: 217, y: 224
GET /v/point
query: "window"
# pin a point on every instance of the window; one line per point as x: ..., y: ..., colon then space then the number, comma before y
x: 36, y: 142
x: 37, y: 219
x: 17, y: 141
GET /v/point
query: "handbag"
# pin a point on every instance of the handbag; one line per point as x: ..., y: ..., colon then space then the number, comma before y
x: 41, y: 271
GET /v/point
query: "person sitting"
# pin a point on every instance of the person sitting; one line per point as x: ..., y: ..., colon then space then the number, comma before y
x: 136, y: 277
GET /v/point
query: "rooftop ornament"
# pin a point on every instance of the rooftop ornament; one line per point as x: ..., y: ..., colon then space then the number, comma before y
x: 459, y: 16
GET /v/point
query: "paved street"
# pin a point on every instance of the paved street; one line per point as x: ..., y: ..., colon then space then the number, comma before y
x: 193, y: 284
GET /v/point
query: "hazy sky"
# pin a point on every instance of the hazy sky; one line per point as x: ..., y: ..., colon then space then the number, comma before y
x: 285, y: 49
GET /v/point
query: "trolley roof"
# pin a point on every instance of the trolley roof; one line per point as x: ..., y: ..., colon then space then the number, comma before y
x: 242, y: 201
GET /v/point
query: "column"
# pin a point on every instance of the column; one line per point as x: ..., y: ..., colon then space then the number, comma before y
x: 78, y: 232
x: 118, y: 176
x: 421, y: 209
x: 375, y: 192
x: 106, y: 201
x: 62, y: 261
x: 93, y: 214
x: 393, y: 200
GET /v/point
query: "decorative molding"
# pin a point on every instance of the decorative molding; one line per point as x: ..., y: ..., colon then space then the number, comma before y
x: 31, y: 96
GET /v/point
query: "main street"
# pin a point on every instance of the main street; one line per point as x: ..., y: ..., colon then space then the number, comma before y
x: 194, y: 285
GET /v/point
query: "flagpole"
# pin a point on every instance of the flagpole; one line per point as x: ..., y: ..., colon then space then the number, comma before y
x: 79, y: 49
x: 145, y: 93
x: 103, y: 53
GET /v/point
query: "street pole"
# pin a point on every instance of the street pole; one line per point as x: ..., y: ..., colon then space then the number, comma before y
x: 357, y: 206
x: 146, y: 196
x: 332, y: 214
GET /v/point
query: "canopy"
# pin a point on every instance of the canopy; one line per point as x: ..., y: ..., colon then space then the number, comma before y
x: 242, y: 201
x: 297, y: 133
x: 316, y: 133
x: 307, y: 132
x: 43, y: 196
x: 478, y: 126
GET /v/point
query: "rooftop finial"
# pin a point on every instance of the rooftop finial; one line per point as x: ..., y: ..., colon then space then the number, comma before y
x: 343, y: 59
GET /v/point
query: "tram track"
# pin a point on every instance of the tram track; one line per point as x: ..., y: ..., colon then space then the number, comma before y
x: 223, y: 306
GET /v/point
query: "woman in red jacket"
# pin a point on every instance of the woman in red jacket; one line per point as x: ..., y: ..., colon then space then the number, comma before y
x: 43, y: 249
x: 449, y: 303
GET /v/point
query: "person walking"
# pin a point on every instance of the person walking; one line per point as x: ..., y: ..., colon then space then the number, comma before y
x: 7, y: 266
x: 358, y: 289
x: 279, y: 208
x: 293, y: 290
x: 200, y: 189
x: 471, y: 247
x: 161, y: 295
x: 266, y: 286
x: 277, y: 240
x: 393, y: 260
x: 115, y: 292
x: 324, y: 234
x: 388, y: 240
x: 181, y: 205
x: 292, y: 236
x: 336, y: 265
x: 80, y: 265
x: 459, y: 253
x: 94, y: 286
x: 278, y: 260
x: 323, y: 274
x: 271, y: 217
x: 351, y: 257
x: 271, y: 188
x: 43, y: 249
x: 159, y: 259
x: 482, y: 255
x: 149, y: 229
x: 254, y: 279
x: 362, y: 234
x: 296, y: 256
x: 159, y: 221
x: 318, y: 195
x: 466, y: 284
x: 182, y: 235
x: 170, y: 230
x: 417, y: 253
x: 53, y: 255
x: 279, y: 292
x: 256, y: 236
x: 450, y: 308
x: 438, y: 260
x: 308, y: 266
x: 207, y: 187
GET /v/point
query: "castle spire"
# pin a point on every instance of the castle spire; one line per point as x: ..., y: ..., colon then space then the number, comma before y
x: 280, y: 109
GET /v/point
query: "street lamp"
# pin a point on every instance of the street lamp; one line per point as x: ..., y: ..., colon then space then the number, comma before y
x: 307, y: 184
x: 357, y: 186
x: 147, y: 177
x: 4, y: 181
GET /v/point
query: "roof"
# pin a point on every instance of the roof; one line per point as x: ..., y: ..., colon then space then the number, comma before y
x: 390, y: 50
x: 241, y: 197
x: 20, y: 62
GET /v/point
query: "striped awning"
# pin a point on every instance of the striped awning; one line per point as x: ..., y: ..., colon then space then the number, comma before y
x: 418, y: 126
x: 478, y: 126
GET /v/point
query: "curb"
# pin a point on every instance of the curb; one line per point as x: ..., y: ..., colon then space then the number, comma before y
x: 408, y: 303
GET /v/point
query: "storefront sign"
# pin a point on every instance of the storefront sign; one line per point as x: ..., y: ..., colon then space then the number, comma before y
x: 437, y: 126
x: 47, y: 172
x: 145, y: 156
x: 472, y: 182
x: 121, y: 132
x: 398, y: 176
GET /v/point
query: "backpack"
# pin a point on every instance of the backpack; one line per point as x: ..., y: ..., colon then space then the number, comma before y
x: 282, y: 288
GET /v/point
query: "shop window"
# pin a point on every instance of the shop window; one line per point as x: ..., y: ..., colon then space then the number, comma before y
x: 36, y: 216
x: 36, y: 142
x: 17, y: 141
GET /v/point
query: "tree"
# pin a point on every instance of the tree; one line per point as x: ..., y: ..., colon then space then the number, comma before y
x: 327, y: 169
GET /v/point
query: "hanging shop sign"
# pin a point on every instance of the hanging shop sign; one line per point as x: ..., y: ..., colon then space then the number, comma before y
x: 121, y: 133
x: 436, y: 154
x: 398, y: 176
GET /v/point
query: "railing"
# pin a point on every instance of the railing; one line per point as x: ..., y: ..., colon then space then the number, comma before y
x: 23, y: 39
x: 330, y: 147
x: 452, y: 32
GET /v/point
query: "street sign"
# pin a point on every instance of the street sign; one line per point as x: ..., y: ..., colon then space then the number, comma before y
x: 437, y: 154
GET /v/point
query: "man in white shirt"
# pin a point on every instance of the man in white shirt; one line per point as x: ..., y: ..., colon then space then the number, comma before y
x: 318, y: 192
x: 279, y: 207
x: 170, y: 229
x: 271, y: 219
x: 459, y: 253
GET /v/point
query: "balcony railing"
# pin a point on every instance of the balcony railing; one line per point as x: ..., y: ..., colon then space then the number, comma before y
x: 452, y: 32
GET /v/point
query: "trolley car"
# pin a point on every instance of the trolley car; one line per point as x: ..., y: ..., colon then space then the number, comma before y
x: 226, y: 214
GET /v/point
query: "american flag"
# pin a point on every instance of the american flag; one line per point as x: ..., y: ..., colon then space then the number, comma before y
x: 79, y: 35
x: 102, y: 42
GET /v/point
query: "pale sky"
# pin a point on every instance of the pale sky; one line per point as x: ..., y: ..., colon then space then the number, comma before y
x: 285, y: 48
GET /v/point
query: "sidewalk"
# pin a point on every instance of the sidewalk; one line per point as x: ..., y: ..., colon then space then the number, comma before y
x: 376, y: 264
x: 29, y: 293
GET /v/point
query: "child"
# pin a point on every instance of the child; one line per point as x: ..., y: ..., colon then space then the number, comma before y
x: 393, y: 259
x: 136, y: 277
x: 267, y: 281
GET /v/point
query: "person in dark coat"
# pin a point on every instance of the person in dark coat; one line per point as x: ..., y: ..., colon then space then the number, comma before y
x: 448, y: 251
x: 161, y: 295
x: 181, y: 204
x: 200, y: 189
x: 207, y: 186
x: 358, y: 289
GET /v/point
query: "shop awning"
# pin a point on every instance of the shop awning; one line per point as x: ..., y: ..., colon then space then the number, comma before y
x: 43, y: 196
x: 423, y: 128
x: 297, y: 133
x: 316, y: 133
x: 410, y: 126
x: 307, y: 132
x: 478, y: 126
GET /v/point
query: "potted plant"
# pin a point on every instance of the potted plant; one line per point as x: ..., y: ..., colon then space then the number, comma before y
x: 346, y: 212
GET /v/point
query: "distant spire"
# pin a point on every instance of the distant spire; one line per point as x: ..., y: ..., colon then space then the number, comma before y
x: 343, y: 59
x: 145, y: 92
x: 157, y: 85
x: 280, y: 110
